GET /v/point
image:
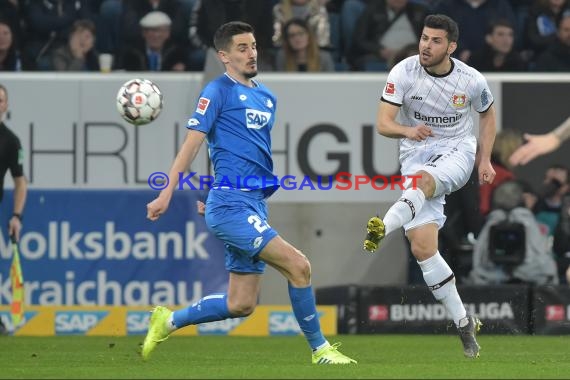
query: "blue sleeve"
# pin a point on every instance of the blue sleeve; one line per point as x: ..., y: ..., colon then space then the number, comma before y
x: 208, y: 107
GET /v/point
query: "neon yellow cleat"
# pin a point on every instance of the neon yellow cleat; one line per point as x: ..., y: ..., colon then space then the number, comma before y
x: 375, y: 233
x: 331, y: 355
x: 157, y: 330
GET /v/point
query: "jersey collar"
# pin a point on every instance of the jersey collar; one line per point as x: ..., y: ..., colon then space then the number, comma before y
x: 255, y: 84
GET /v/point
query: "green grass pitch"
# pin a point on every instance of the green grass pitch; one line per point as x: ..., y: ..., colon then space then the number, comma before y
x: 203, y: 357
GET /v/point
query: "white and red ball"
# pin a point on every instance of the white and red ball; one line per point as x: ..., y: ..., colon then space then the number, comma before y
x: 139, y: 101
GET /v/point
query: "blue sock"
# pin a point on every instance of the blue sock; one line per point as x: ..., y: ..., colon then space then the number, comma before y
x: 305, y: 310
x: 210, y: 308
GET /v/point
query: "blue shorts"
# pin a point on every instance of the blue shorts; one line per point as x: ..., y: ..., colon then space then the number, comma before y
x: 239, y: 219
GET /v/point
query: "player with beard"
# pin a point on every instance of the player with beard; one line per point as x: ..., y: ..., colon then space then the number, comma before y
x: 426, y: 104
x: 235, y: 113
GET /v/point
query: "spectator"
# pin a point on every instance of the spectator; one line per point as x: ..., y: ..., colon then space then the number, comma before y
x: 10, y: 12
x: 506, y: 142
x: 498, y: 53
x: 561, y: 246
x: 381, y: 31
x: 156, y: 51
x: 311, y: 11
x: 473, y: 16
x: 349, y: 14
x: 11, y: 58
x: 405, y: 52
x: 79, y: 53
x: 134, y: 10
x: 521, y: 10
x: 557, y: 56
x: 541, y: 23
x: 208, y: 15
x: 109, y: 26
x: 300, y: 51
x: 49, y: 23
x: 549, y: 205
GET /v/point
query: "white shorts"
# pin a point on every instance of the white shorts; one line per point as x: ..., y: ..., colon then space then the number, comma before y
x: 450, y: 166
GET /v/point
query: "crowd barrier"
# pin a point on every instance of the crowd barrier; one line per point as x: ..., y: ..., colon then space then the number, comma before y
x: 504, y: 309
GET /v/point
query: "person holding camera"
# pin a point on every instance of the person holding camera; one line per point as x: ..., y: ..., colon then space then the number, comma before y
x: 561, y: 243
x: 512, y: 247
x: 548, y: 206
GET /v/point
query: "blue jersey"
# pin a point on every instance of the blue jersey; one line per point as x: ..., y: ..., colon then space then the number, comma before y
x: 237, y: 121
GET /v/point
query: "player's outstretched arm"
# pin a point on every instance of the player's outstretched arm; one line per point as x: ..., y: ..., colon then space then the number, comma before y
x: 387, y: 126
x: 487, y: 132
x: 538, y: 145
x: 185, y: 156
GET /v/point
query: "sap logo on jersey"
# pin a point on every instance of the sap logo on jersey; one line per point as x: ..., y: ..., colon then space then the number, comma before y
x: 256, y: 119
x: 137, y: 322
x: 219, y: 327
x: 77, y: 322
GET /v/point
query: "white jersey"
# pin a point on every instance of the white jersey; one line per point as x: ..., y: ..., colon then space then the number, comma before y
x: 442, y: 102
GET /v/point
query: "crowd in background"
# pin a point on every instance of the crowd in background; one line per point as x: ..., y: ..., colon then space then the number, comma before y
x: 313, y: 36
x: 292, y: 35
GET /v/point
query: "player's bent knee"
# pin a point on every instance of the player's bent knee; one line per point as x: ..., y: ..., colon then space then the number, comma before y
x: 422, y: 251
x: 301, y: 270
x: 426, y: 183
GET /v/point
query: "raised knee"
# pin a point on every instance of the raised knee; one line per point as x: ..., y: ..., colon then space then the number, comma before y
x: 426, y: 183
x: 422, y: 251
x: 302, y: 269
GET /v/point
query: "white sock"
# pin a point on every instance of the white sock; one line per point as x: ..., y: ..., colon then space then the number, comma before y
x: 170, y: 323
x: 325, y: 344
x: 404, y: 210
x: 441, y: 281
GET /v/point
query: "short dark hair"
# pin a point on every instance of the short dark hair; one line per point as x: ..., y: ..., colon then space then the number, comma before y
x: 83, y: 24
x: 497, y: 23
x: 445, y: 23
x: 224, y: 34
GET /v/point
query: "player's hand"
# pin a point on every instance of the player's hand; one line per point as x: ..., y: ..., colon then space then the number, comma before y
x: 419, y: 132
x: 486, y: 172
x: 536, y: 145
x: 14, y: 227
x: 156, y: 208
x: 201, y: 207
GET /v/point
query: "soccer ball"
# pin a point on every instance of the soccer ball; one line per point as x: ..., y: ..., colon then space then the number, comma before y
x: 139, y: 101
